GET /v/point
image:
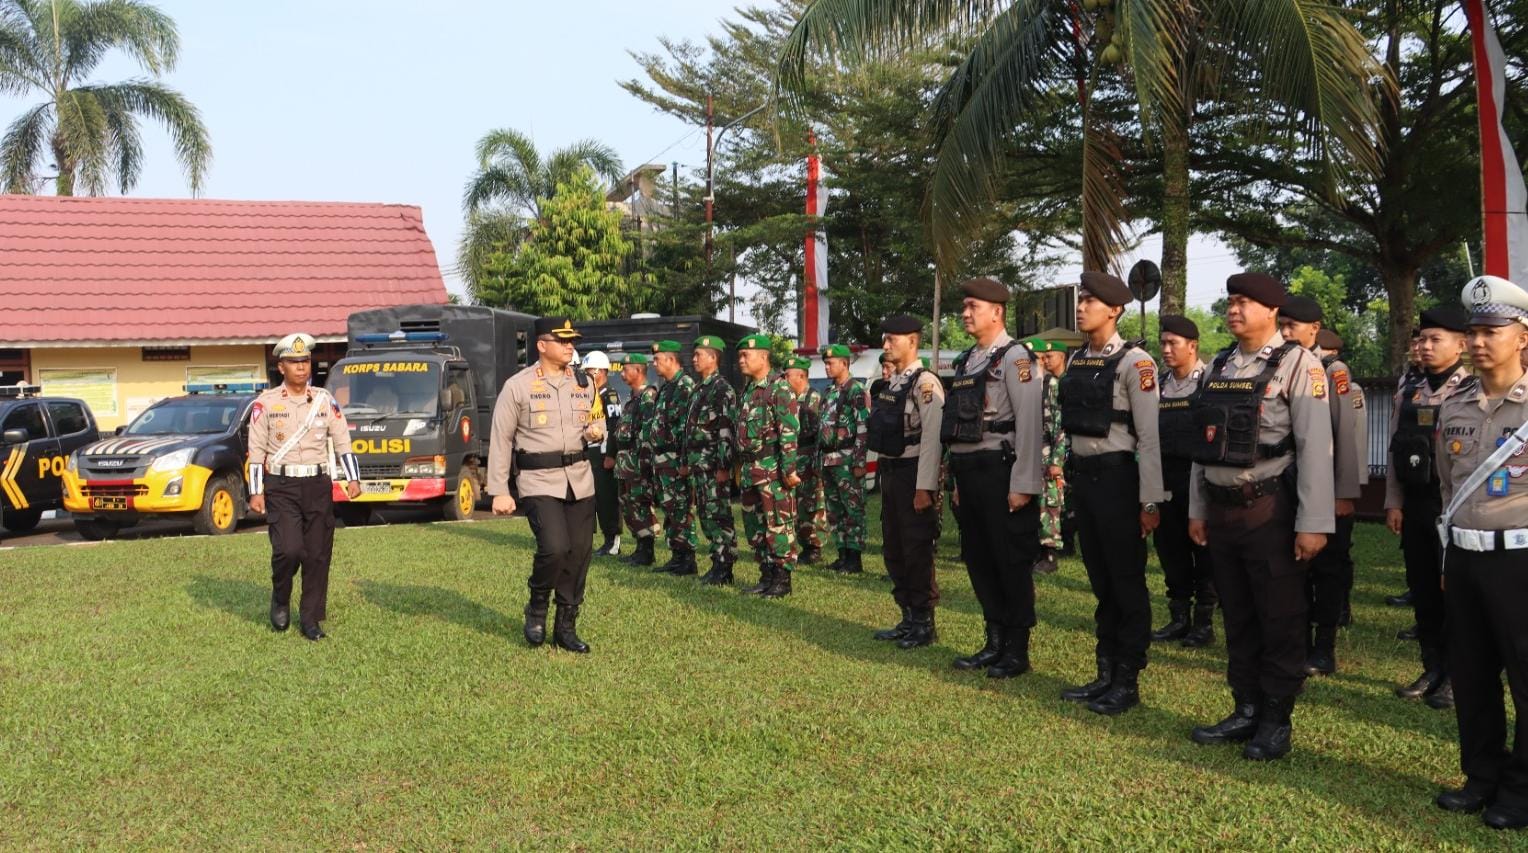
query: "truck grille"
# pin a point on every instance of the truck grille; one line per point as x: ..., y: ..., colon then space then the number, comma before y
x: 381, y: 472
x: 128, y: 491
x: 112, y: 467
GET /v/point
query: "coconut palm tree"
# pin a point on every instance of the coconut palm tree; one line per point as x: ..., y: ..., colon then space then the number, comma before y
x: 1310, y: 69
x: 90, y: 130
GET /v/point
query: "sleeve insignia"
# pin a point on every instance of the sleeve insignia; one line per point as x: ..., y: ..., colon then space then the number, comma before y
x: 1317, y: 383
x: 1358, y: 399
x: 1340, y: 382
x: 256, y: 411
x: 1026, y: 372
x: 928, y: 396
x: 1148, y: 374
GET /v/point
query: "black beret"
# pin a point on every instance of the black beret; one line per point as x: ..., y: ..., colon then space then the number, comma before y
x: 986, y: 289
x: 1302, y: 309
x: 1328, y: 340
x: 1450, y: 317
x: 1181, y: 326
x: 1106, y: 288
x: 1259, y: 287
x: 902, y: 324
x: 560, y: 328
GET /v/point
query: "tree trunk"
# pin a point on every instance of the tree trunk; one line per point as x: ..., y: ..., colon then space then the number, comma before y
x: 64, y: 183
x: 1401, y: 288
x: 1175, y: 203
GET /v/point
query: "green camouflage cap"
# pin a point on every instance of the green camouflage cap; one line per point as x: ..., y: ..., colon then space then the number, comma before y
x: 633, y: 358
x: 710, y: 342
x: 667, y: 346
x: 836, y: 351
x: 799, y: 363
x: 756, y: 342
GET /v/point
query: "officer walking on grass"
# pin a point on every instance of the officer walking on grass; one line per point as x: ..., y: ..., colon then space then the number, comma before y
x: 543, y: 418
x: 841, y: 441
x: 294, y: 431
x: 634, y: 459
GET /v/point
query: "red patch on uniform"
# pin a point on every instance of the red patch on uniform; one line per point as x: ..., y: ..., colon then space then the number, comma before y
x: 1209, y: 435
x: 1148, y: 376
x: 1340, y: 382
x: 255, y: 412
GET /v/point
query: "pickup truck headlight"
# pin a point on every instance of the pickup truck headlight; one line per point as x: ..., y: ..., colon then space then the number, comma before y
x: 424, y: 466
x: 74, y: 462
x: 173, y: 461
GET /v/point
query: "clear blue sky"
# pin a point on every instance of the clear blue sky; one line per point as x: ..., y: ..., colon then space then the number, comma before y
x: 339, y: 100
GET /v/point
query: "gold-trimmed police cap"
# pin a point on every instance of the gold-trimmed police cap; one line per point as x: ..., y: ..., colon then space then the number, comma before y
x: 559, y: 328
x: 1494, y: 301
x: 297, y: 346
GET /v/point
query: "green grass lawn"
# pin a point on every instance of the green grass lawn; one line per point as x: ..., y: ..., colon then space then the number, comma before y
x: 144, y: 702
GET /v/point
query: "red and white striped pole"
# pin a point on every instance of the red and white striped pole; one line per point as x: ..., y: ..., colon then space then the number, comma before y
x: 814, y: 301
x: 1504, y: 199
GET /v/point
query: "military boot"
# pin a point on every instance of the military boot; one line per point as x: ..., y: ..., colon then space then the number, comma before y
x: 1322, y: 659
x: 1239, y: 725
x: 897, y: 631
x: 1014, y: 658
x: 1274, y: 730
x: 838, y: 564
x: 1442, y: 696
x: 766, y: 580
x: 1203, y: 632
x: 686, y: 566
x: 985, y: 656
x: 1122, y: 695
x: 721, y: 572
x: 643, y: 556
x: 535, y: 616
x: 1046, y: 563
x: 676, y: 559
x: 809, y: 556
x: 852, y: 562
x: 780, y: 587
x: 565, y: 631
x: 920, y: 631
x: 1095, y: 688
x: 1177, y: 625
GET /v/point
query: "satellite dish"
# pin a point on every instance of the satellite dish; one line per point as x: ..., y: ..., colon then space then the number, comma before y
x: 1145, y: 281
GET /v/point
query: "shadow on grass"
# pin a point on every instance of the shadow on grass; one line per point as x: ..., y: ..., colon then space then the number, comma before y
x: 248, y: 600
x: 499, y: 534
x: 441, y: 603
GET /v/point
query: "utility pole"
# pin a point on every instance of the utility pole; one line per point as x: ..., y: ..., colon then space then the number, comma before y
x: 710, y: 189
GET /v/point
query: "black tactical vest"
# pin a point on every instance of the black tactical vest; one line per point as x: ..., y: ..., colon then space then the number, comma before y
x: 1227, y: 425
x: 966, y: 399
x: 1411, y: 448
x: 883, y: 431
x: 1175, y: 426
x: 1087, y: 395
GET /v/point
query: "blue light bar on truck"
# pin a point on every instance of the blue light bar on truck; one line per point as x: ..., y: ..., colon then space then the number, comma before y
x: 224, y: 387
x: 401, y: 337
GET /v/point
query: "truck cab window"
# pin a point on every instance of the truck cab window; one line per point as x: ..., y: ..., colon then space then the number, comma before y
x: 27, y: 416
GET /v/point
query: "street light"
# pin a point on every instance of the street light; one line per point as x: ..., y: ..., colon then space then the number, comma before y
x: 711, y: 145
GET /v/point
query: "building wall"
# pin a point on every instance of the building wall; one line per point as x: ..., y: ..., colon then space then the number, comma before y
x: 137, y: 383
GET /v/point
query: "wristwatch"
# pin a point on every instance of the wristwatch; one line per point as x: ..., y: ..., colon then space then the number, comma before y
x: 1149, y: 508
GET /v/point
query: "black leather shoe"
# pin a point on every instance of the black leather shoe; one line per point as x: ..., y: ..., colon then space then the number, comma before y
x: 604, y: 549
x: 1442, y: 697
x: 1095, y: 688
x: 281, y: 617
x: 987, y: 655
x: 1402, y: 600
x: 565, y: 631
x: 896, y: 631
x: 1467, y: 799
x: 1274, y: 731
x: 1199, y: 636
x: 1422, y: 686
x: 1177, y: 626
x: 313, y: 632
x: 1122, y: 694
x: 1407, y: 633
x: 1239, y: 726
x: 1500, y: 816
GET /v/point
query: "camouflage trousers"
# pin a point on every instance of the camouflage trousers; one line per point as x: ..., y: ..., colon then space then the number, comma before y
x: 844, y: 497
x: 810, y: 504
x: 769, y: 520
x: 713, y: 508
x: 674, y: 499
x: 1052, y: 508
x: 637, y: 505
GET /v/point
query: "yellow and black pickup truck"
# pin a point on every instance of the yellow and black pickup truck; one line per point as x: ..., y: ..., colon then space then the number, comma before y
x: 182, y: 458
x: 37, y: 434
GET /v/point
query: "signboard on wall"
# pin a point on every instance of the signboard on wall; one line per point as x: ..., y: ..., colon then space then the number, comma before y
x: 97, y: 386
x: 224, y: 374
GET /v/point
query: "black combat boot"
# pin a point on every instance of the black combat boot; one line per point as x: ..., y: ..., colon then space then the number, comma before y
x: 1203, y: 631
x: 1239, y: 725
x: 1322, y: 659
x: 721, y: 572
x: 1441, y: 698
x: 1046, y: 563
x: 535, y: 616
x: 1431, y: 677
x: 565, y: 631
x: 1123, y: 693
x: 1402, y: 600
x: 987, y: 655
x: 1272, y: 740
x: 809, y: 556
x: 686, y: 566
x: 852, y: 562
x: 643, y: 556
x: 780, y: 587
x: 838, y: 564
x: 676, y: 559
x: 920, y: 631
x: 766, y: 580
x: 1014, y: 659
x: 1095, y: 688
x: 897, y: 631
x: 1177, y: 625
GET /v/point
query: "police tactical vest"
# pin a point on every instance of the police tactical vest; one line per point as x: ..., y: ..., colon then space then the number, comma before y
x: 1411, y: 449
x: 1087, y: 395
x: 966, y: 400
x: 884, y: 431
x: 1175, y: 426
x: 1227, y: 421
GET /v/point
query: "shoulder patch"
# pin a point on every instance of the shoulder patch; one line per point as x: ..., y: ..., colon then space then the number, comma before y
x: 256, y: 411
x: 1147, y: 370
x: 1025, y: 368
x: 1340, y: 383
x: 1317, y: 383
x: 1358, y: 398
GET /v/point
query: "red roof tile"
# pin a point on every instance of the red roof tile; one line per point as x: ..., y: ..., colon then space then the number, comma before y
x: 130, y: 270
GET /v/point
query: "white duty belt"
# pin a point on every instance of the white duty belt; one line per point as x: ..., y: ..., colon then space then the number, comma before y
x: 1483, y: 541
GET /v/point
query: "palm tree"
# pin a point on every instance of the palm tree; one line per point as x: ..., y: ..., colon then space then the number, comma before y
x: 49, y: 47
x: 1312, y: 71
x: 511, y: 181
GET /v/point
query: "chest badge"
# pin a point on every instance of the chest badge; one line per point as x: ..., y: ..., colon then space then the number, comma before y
x: 1209, y: 434
x: 1455, y: 446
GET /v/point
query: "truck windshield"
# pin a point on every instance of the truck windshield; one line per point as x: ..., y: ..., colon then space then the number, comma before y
x: 386, y: 389
x: 188, y: 416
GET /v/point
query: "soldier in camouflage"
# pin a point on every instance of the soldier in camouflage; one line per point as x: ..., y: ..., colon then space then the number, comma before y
x: 841, y: 441
x: 810, y: 514
x: 766, y: 442
x: 667, y: 436
x: 1052, y: 356
x: 707, y: 453
x: 634, y: 459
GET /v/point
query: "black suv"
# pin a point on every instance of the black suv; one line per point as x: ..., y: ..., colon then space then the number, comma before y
x: 37, y: 434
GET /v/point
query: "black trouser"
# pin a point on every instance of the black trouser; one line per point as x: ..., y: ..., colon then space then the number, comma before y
x: 607, y: 493
x: 564, y: 529
x: 999, y: 547
x: 1423, y: 554
x: 1107, y: 498
x: 1331, y: 576
x: 1185, y: 565
x: 1487, y: 596
x: 1262, y: 594
x: 299, y: 512
x: 907, y: 536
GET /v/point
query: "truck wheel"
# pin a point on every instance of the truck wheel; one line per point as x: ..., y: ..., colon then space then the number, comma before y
x: 353, y: 515
x: 22, y: 520
x: 95, y: 529
x: 459, y: 506
x: 222, y: 507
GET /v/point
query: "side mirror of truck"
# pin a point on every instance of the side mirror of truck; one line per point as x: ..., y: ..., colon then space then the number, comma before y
x: 121, y: 428
x: 14, y: 436
x: 446, y: 399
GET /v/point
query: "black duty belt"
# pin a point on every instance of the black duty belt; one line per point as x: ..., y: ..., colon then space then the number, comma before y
x: 896, y: 461
x: 1100, y: 462
x: 1242, y: 494
x: 545, y: 461
x: 977, y: 459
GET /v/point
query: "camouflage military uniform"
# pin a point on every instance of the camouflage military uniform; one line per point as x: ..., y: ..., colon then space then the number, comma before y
x: 767, y: 433
x: 1053, y: 454
x: 634, y: 462
x: 667, y: 435
x: 841, y: 441
x: 810, y: 514
x: 707, y: 449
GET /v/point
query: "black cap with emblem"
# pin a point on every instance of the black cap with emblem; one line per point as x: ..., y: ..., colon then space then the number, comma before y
x: 1448, y: 317
x: 986, y: 289
x: 1259, y: 287
x: 560, y: 328
x: 902, y: 324
x: 1106, y: 288
x: 1179, y: 325
x: 1302, y: 309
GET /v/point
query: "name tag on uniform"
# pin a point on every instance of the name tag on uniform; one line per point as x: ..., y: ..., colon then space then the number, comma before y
x: 1496, y: 485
